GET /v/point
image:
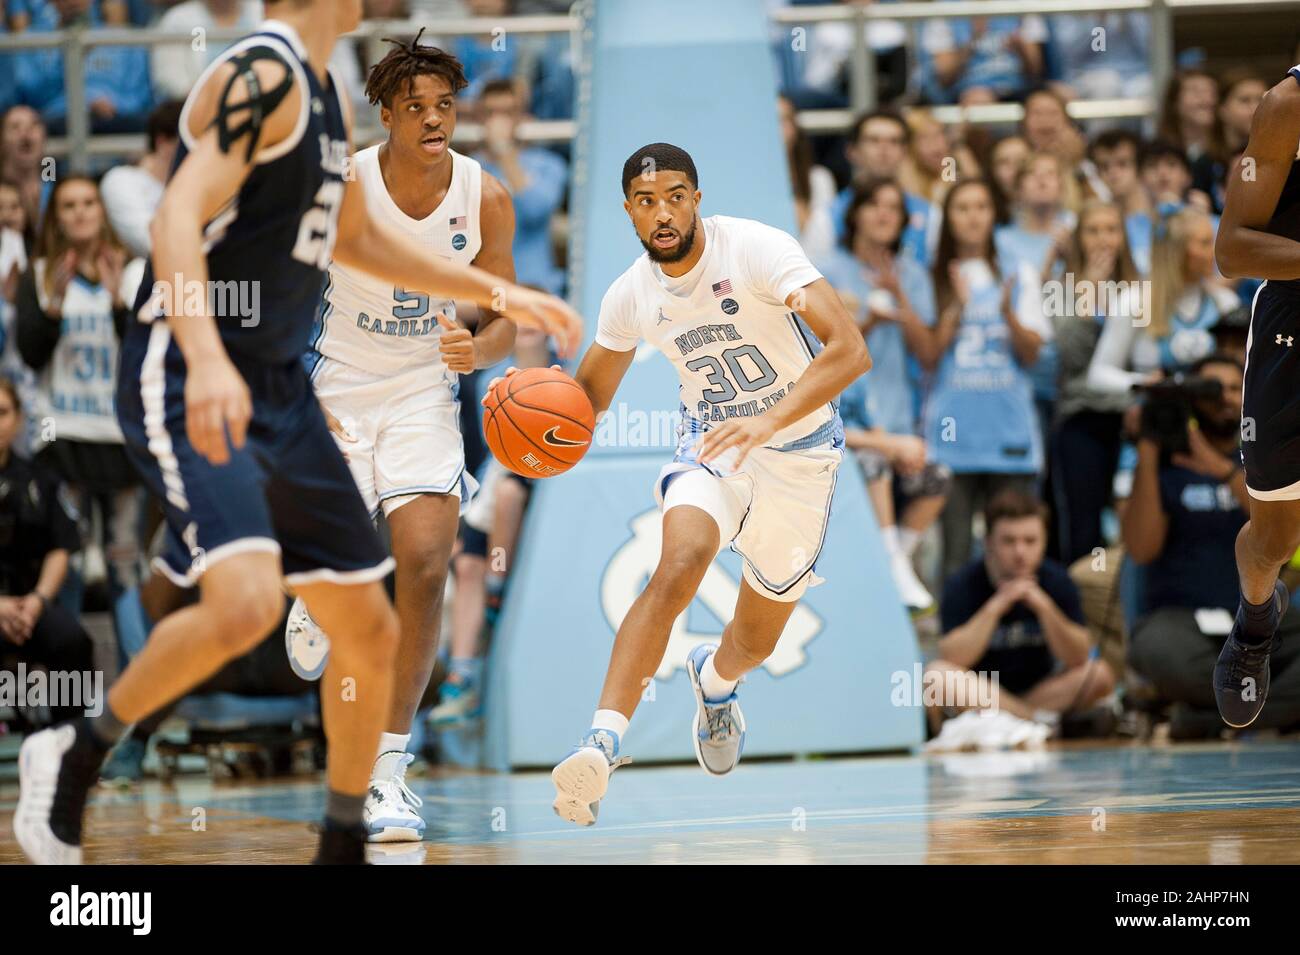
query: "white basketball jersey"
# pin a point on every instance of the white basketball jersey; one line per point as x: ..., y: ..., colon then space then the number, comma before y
x: 737, y: 346
x: 383, y: 330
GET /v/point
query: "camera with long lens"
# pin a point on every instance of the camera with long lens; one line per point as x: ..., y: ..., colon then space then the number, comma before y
x: 1169, y: 406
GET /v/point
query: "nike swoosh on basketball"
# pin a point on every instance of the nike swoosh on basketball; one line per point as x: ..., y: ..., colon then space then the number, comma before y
x: 553, y: 439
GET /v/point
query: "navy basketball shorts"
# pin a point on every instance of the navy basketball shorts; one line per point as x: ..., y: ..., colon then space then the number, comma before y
x: 1270, y: 405
x: 287, y: 491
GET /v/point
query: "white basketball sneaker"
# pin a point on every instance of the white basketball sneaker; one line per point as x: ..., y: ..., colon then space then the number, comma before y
x: 307, y: 645
x: 390, y: 811
x: 582, y: 777
x: 57, y: 768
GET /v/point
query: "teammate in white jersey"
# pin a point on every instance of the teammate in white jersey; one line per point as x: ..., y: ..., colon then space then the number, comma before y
x: 385, y: 364
x: 763, y: 346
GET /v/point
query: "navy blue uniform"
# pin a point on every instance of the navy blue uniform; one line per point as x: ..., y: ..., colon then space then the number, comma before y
x: 1270, y: 406
x: 288, y: 490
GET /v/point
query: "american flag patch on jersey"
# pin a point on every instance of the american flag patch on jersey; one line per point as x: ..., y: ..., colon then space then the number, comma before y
x: 722, y: 288
x: 458, y: 222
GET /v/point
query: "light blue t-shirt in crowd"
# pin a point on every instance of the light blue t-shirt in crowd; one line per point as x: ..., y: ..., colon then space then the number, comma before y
x: 1137, y: 229
x: 894, y: 398
x: 548, y: 177
x: 1016, y: 247
x: 1075, y: 50
x: 979, y: 414
x: 992, y: 63
x: 119, y: 74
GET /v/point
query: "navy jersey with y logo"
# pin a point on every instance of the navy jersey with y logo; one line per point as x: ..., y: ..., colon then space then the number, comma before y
x: 287, y: 490
x: 269, y: 247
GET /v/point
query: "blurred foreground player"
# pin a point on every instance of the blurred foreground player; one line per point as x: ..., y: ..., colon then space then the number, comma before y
x: 221, y: 421
x: 1259, y: 236
x: 386, y: 363
x: 735, y: 305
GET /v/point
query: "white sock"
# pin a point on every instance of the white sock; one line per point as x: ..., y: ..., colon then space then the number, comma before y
x: 393, y: 743
x: 890, y: 536
x: 611, y: 720
x: 909, y: 540
x: 715, y: 687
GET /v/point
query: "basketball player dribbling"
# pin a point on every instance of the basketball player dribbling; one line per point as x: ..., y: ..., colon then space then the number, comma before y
x: 220, y: 419
x: 731, y: 302
x: 1259, y: 236
x: 385, y: 363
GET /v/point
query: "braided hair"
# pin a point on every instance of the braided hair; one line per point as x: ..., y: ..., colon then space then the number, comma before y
x: 398, y: 70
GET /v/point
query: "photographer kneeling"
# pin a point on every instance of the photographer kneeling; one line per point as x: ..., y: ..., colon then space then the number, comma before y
x: 1188, y: 502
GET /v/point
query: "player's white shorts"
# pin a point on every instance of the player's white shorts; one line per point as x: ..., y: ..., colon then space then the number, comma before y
x: 773, y: 511
x: 407, y: 432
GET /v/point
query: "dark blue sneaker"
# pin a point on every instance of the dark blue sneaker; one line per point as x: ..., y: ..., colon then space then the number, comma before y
x: 1241, y: 676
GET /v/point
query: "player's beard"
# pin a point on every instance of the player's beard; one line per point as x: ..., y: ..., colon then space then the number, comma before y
x: 675, y: 255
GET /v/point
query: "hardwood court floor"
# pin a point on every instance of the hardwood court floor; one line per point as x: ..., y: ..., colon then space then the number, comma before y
x: 1204, y: 803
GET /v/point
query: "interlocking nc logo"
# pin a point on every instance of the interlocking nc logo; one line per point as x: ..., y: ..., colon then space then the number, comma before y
x: 626, y: 573
x: 1287, y: 340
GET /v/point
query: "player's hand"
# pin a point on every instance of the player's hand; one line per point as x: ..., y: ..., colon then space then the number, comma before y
x: 512, y: 370
x: 337, y: 429
x: 456, y: 345
x: 546, y: 312
x: 741, y: 436
x: 216, y: 401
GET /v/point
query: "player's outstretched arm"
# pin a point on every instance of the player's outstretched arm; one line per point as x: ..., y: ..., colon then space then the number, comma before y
x: 843, y: 359
x: 230, y: 130
x: 1242, y: 247
x: 376, y: 248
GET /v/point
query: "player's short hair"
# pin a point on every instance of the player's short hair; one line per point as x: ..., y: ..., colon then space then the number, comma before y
x: 891, y: 115
x: 1012, y: 505
x: 1113, y: 139
x: 1159, y: 149
x: 165, y: 122
x: 661, y: 157
x: 398, y: 70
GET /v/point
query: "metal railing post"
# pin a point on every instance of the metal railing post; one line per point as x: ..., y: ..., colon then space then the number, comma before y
x: 74, y: 92
x: 862, y: 73
x: 1162, y: 54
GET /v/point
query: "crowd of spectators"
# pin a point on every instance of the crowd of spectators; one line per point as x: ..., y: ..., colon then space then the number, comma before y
x: 1019, y: 287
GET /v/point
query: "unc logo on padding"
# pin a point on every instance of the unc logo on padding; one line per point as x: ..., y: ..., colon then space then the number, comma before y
x: 633, y: 563
x: 730, y: 306
x: 458, y: 241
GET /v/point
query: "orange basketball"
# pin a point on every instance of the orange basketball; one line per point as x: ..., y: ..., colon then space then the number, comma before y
x: 538, y: 422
